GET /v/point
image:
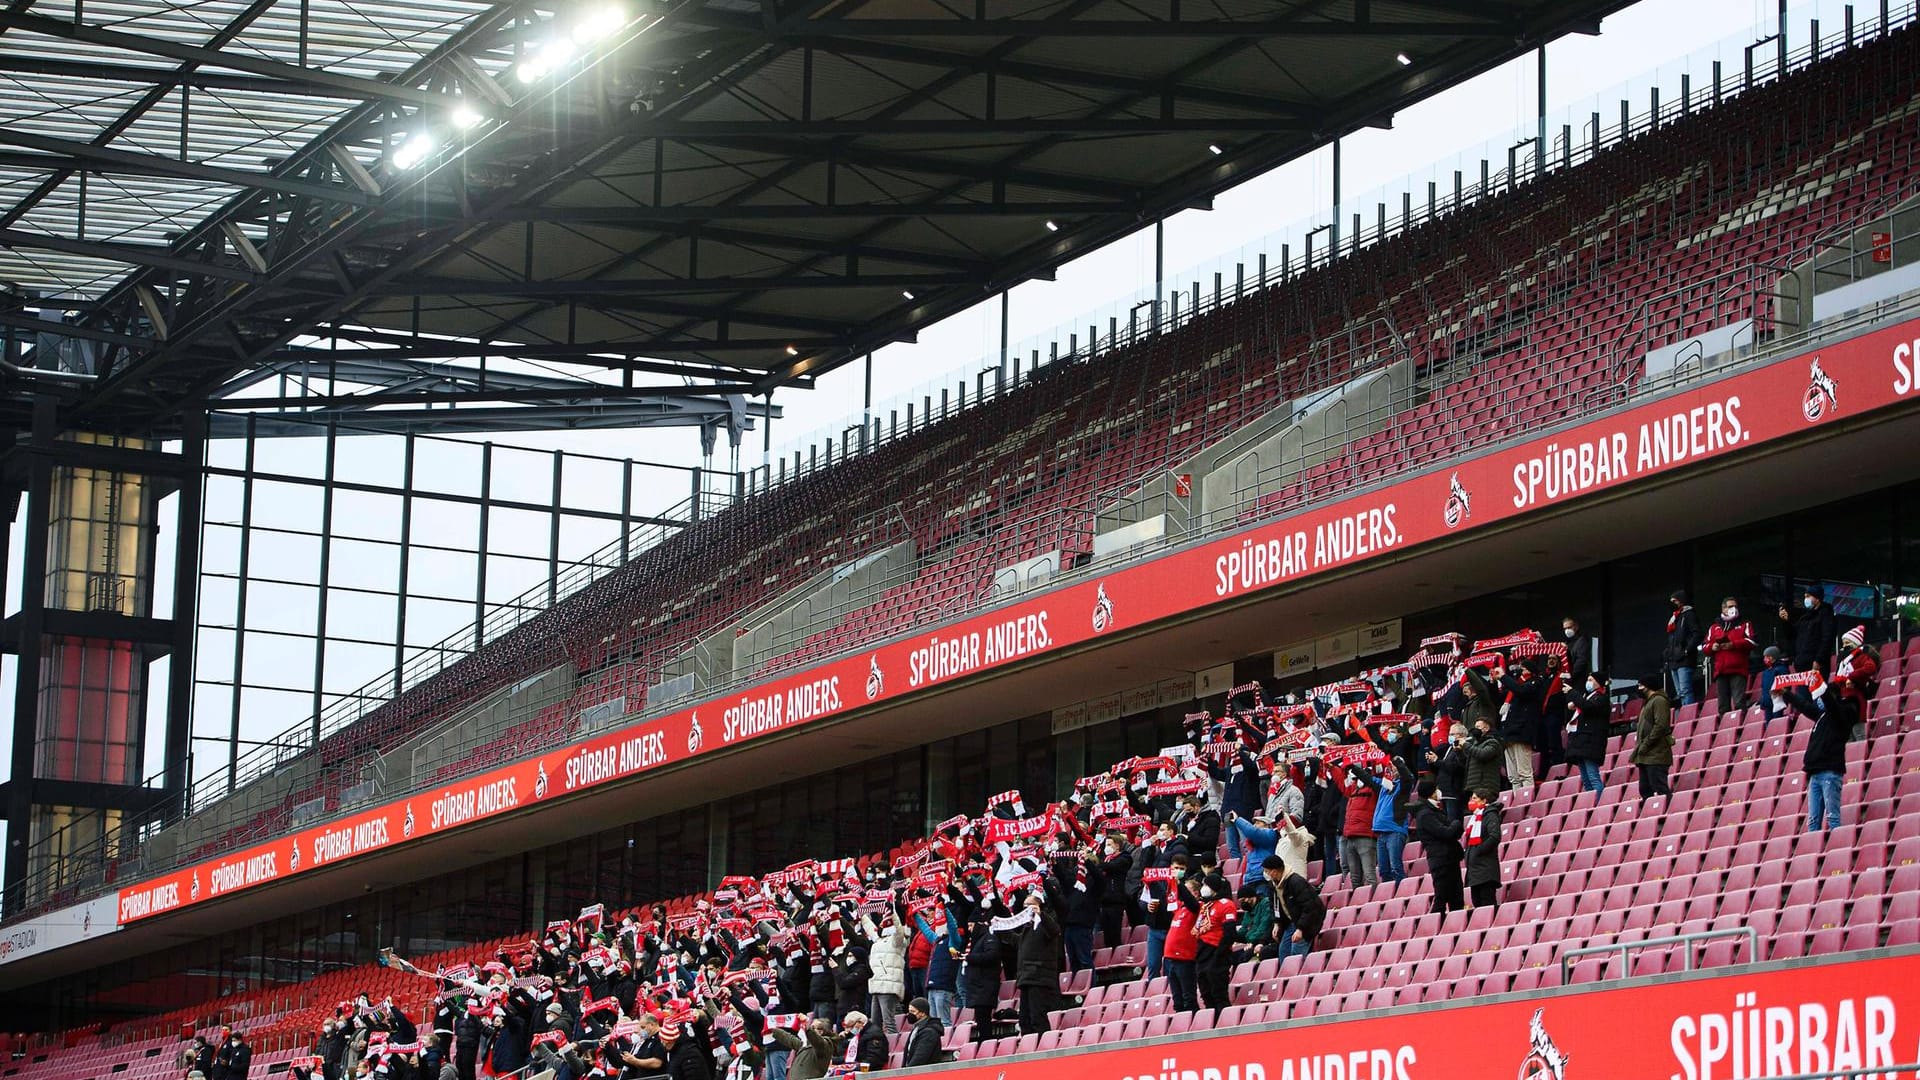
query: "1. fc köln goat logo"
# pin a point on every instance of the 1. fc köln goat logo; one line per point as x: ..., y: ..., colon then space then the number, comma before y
x: 1102, y: 609
x: 293, y: 862
x: 1822, y: 395
x: 1544, y: 1061
x: 694, y: 735
x: 406, y: 823
x: 876, y: 682
x: 540, y: 784
x: 1459, y: 504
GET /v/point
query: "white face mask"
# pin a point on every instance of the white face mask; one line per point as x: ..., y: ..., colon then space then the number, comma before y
x: 1730, y: 613
x: 1568, y: 631
x: 1206, y: 894
x: 1809, y: 603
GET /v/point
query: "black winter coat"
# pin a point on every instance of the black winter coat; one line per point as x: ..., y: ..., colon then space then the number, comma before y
x: 923, y: 1043
x: 1083, y: 905
x: 1526, y: 699
x: 1301, y: 906
x: 1827, y: 746
x: 1592, y: 716
x: 1683, y: 638
x: 1439, y: 838
x: 1242, y: 780
x: 1450, y: 772
x: 1812, y: 636
x: 689, y: 1062
x: 1202, y: 831
x: 1114, y: 875
x: 850, y: 977
x: 1040, y: 953
x: 982, y: 976
x: 1483, y: 859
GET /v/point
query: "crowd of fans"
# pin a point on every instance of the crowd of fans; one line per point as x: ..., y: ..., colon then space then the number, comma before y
x: 807, y: 971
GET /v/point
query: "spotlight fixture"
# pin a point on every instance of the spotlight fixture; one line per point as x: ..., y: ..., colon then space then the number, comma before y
x: 908, y: 293
x: 791, y: 351
x: 1403, y: 58
x: 1051, y: 227
x: 466, y: 117
x: 1214, y: 149
x: 413, y: 150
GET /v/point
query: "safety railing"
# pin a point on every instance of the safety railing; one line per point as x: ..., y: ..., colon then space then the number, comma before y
x: 1686, y: 941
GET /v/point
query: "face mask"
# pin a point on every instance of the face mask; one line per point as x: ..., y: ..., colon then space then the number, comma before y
x: 1809, y: 603
x: 1206, y: 894
x: 1392, y: 738
x: 1730, y: 613
x: 1568, y: 631
x: 1593, y: 687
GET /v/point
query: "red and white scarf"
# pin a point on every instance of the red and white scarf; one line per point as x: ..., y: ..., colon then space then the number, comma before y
x: 1475, y: 827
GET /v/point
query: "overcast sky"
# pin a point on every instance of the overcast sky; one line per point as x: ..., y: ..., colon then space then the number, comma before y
x: 1454, y: 130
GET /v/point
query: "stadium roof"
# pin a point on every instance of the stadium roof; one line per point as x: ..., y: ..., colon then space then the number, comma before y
x: 684, y: 200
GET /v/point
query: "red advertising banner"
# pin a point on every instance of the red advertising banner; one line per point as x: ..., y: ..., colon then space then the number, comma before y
x: 1796, y: 1022
x: 1702, y: 423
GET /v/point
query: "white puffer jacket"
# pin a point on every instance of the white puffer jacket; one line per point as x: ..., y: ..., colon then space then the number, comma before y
x: 888, y: 959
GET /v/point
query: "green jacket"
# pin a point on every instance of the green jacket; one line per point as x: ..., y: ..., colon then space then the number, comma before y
x: 1653, y: 735
x: 1257, y: 925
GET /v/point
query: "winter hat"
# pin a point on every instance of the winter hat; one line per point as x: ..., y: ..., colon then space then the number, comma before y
x: 921, y: 1006
x: 1772, y: 654
x: 1854, y: 638
x: 1815, y: 590
x: 670, y: 1031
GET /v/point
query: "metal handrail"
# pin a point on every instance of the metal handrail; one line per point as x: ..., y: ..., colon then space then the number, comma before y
x: 1623, y: 947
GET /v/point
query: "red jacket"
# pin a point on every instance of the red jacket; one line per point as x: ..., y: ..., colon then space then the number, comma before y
x: 1181, y: 943
x: 1360, y: 801
x: 1731, y: 646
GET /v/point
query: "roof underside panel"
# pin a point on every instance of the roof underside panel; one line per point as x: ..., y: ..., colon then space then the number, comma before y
x: 718, y: 187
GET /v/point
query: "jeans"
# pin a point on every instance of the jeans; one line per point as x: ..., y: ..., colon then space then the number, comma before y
x: 1357, y: 852
x: 1683, y: 684
x: 1079, y: 947
x: 1156, y: 944
x: 941, y: 1002
x: 916, y: 982
x: 1823, y: 797
x: 1387, y: 850
x: 1590, y: 777
x: 1184, y: 985
x: 1290, y: 947
x: 1330, y: 856
x: 1233, y: 840
x: 777, y: 1064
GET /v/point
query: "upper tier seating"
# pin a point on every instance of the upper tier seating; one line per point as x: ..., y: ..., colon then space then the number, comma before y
x: 1518, y: 309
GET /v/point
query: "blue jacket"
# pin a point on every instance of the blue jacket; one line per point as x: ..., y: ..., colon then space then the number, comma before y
x: 1259, y: 843
x: 943, y: 971
x: 1383, y: 808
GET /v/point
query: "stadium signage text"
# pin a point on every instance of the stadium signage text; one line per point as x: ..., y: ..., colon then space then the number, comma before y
x: 1830, y: 1018
x: 1702, y: 423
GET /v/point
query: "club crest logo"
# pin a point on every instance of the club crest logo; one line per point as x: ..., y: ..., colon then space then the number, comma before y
x: 293, y: 863
x: 694, y: 735
x: 193, y: 893
x: 406, y: 823
x: 875, y: 680
x: 540, y: 782
x: 1102, y: 609
x: 1544, y: 1061
x: 1459, y: 504
x: 1822, y: 395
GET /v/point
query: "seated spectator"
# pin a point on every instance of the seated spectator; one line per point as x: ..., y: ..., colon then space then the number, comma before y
x: 1653, y: 737
x: 1481, y: 839
x: 866, y: 1043
x: 923, y: 1038
x: 1590, y: 715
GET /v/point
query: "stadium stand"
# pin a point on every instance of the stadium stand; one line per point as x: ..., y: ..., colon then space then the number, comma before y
x: 1511, y: 309
x: 1729, y: 851
x: 1525, y: 307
